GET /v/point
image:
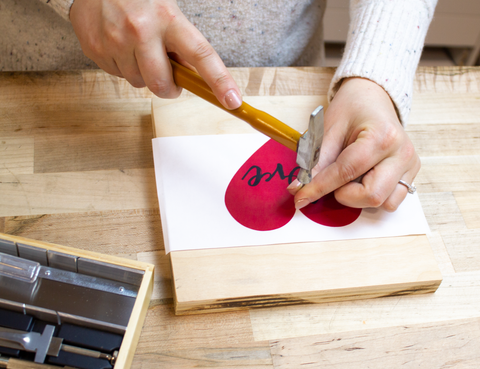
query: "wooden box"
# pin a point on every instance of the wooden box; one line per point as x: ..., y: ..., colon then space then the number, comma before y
x: 144, y: 281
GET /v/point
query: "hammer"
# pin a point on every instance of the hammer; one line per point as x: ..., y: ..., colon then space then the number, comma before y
x: 307, y: 146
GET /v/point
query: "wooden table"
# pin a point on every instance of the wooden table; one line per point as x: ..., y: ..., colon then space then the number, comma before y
x: 76, y: 169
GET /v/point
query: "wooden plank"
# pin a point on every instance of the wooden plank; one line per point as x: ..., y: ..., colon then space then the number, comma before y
x: 442, y: 212
x: 214, y: 340
x: 441, y: 254
x: 469, y: 203
x: 135, y: 323
x: 438, y: 80
x: 123, y: 232
x: 44, y: 87
x: 162, y: 280
x: 77, y: 192
x: 274, y: 275
x: 16, y: 155
x: 220, y: 282
x: 86, y: 152
x: 412, y: 346
x: 445, y: 139
x: 451, y: 173
x: 66, y: 118
x: 457, y: 298
x: 463, y: 248
x: 449, y: 109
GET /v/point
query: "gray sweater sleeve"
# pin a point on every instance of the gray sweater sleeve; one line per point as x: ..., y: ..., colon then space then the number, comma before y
x: 384, y: 44
x: 62, y: 7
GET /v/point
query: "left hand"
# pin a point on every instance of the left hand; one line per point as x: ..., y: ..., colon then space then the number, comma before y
x: 363, y: 137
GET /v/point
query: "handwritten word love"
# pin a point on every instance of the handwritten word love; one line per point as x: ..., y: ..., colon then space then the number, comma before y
x: 258, y: 175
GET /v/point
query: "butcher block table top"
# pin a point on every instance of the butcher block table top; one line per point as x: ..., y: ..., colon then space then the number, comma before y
x: 76, y: 169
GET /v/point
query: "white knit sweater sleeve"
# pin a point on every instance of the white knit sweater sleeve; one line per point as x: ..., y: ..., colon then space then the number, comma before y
x: 62, y: 7
x: 384, y: 44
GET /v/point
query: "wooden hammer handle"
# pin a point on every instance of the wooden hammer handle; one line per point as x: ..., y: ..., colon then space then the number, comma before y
x: 258, y: 119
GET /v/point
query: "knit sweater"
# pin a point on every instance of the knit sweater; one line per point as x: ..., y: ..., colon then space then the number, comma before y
x: 384, y: 43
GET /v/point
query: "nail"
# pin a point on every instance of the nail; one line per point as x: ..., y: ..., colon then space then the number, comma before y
x: 294, y: 187
x: 232, y: 99
x: 301, y: 203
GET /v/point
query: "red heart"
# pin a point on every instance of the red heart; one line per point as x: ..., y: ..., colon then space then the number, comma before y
x: 257, y: 197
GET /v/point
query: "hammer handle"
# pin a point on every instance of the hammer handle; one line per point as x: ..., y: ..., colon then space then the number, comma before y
x: 258, y: 119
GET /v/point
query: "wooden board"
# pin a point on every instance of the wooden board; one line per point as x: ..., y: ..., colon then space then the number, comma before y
x: 265, y: 276
x: 137, y: 317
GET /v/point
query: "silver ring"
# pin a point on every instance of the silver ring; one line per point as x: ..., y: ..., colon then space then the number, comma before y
x: 411, y: 189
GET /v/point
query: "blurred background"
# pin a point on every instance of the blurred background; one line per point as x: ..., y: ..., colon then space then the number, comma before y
x: 453, y: 37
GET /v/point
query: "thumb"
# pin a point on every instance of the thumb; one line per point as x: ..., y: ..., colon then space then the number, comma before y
x: 194, y: 48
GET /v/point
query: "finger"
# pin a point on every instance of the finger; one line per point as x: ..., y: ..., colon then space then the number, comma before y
x: 185, y: 40
x: 355, y: 160
x: 182, y: 61
x: 331, y: 147
x: 127, y: 64
x: 401, y: 191
x: 156, y: 71
x: 109, y: 66
x: 379, y: 187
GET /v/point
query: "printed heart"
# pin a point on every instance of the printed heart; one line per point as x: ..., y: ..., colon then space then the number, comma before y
x: 257, y: 197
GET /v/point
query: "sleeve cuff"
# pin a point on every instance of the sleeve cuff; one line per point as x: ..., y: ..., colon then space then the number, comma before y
x: 384, y: 45
x: 62, y: 7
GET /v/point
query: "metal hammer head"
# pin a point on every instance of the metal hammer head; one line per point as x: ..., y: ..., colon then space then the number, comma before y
x: 308, y: 149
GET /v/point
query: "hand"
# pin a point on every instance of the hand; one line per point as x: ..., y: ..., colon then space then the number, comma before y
x: 131, y: 39
x: 363, y: 136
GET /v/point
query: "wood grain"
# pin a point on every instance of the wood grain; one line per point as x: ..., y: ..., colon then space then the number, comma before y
x: 458, y: 297
x: 214, y: 340
x: 463, y: 248
x: 87, y: 152
x: 462, y: 80
x: 162, y: 288
x: 469, y: 203
x: 449, y: 173
x: 455, y: 108
x: 442, y: 211
x: 114, y: 232
x: 91, y: 104
x: 77, y: 192
x: 16, y: 155
x: 262, y: 276
x: 444, y: 345
x: 441, y: 254
x: 445, y: 139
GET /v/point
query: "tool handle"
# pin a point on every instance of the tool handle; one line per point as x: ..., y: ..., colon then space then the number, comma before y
x: 258, y: 119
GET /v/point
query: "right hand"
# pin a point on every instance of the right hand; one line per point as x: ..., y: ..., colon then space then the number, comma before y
x: 131, y: 39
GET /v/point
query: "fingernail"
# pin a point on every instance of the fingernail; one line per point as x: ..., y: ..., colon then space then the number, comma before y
x: 294, y: 187
x: 233, y: 100
x: 301, y: 203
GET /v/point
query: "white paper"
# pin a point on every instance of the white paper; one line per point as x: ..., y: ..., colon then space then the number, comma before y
x: 192, y: 174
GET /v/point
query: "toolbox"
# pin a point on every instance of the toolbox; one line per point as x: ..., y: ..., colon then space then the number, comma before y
x: 64, y: 307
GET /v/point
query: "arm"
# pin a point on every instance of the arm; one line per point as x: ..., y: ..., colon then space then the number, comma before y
x: 370, y: 97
